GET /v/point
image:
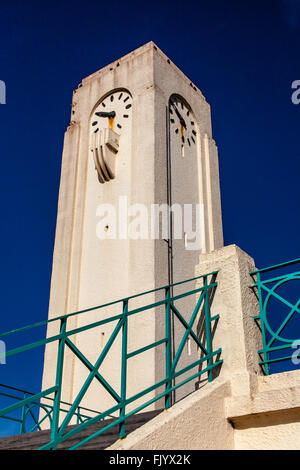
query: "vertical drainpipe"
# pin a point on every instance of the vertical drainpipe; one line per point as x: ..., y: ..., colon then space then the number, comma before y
x: 170, y: 237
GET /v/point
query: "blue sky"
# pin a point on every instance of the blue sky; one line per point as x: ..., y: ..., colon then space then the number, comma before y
x: 243, y: 55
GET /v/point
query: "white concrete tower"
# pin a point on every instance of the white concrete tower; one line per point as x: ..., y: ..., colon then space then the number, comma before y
x: 140, y: 135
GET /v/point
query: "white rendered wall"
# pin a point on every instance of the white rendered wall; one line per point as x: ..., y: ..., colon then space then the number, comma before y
x: 87, y: 271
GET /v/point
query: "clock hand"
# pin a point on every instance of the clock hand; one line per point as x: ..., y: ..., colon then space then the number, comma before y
x: 111, y: 114
x: 181, y: 120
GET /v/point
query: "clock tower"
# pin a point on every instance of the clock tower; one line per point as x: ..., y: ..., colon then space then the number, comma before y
x: 139, y: 141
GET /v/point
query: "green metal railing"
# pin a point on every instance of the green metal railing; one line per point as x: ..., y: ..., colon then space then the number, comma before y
x: 273, y: 339
x: 32, y: 409
x: 59, y: 424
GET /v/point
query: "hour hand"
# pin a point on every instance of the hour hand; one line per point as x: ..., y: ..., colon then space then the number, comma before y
x: 104, y: 114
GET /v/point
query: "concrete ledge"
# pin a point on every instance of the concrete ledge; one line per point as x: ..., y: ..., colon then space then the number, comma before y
x: 268, y: 418
x: 277, y: 392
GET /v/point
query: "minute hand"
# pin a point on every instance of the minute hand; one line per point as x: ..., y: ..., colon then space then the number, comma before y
x: 182, y: 121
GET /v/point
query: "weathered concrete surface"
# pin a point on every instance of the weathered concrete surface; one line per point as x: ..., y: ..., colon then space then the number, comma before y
x: 196, y: 422
x: 268, y: 431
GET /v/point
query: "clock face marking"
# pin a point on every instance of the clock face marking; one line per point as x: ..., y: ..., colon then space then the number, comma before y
x: 117, y: 105
x: 110, y: 133
x: 182, y: 122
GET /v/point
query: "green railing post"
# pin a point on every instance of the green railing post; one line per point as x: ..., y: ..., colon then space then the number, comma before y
x: 124, y: 368
x: 78, y: 419
x: 22, y: 427
x: 262, y: 324
x: 168, y: 348
x: 58, y: 380
x: 208, y: 329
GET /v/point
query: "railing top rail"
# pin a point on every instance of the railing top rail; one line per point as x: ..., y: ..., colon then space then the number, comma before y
x: 16, y: 389
x: 44, y: 398
x: 65, y: 316
x: 276, y: 266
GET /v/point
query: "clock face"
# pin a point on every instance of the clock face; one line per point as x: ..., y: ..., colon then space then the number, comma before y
x: 110, y: 133
x: 183, y: 173
x: 182, y: 124
x: 113, y: 112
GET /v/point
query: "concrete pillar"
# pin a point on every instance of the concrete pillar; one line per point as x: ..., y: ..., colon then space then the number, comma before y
x: 236, y: 331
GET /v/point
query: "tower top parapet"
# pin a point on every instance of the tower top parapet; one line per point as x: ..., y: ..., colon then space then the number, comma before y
x: 146, y: 48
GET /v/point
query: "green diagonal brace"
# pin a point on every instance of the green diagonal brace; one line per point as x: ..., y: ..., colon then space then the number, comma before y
x: 90, y: 377
x: 187, y: 332
x: 185, y: 324
x: 90, y: 366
